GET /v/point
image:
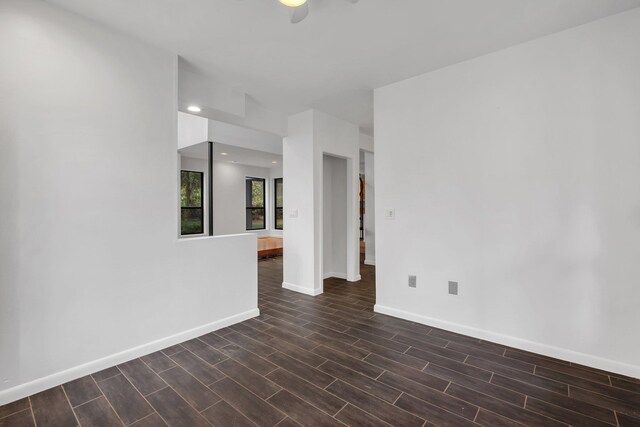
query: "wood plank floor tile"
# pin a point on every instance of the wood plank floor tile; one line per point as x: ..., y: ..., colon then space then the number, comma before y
x: 385, y: 352
x: 189, y: 388
x: 249, y: 379
x: 304, y: 371
x: 431, y: 412
x: 222, y: 415
x: 204, y: 351
x: 562, y: 414
x: 106, y: 373
x: 248, y: 359
x: 125, y: 399
x: 357, y: 365
x: 602, y: 414
x: 512, y: 412
x: 355, y: 417
x: 142, y: 377
x: 203, y: 371
x: 13, y: 407
x: 364, y: 383
x: 81, y: 390
x: 214, y: 340
x: 97, y: 413
x: 305, y: 390
x: 247, y: 403
x: 153, y: 420
x: 175, y: 410
x: 158, y: 361
x: 22, y: 418
x: 385, y: 411
x: 628, y: 421
x: 300, y: 411
x: 407, y: 372
x: 51, y: 408
x: 427, y: 394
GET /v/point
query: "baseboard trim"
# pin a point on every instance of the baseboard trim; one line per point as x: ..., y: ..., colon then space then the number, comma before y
x: 355, y: 279
x: 301, y: 289
x: 511, y: 341
x: 369, y: 262
x: 336, y: 275
x: 35, y: 386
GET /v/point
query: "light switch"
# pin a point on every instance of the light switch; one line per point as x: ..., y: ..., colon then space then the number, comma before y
x: 389, y: 214
x: 293, y: 213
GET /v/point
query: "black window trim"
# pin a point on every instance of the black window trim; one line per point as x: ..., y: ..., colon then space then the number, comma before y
x: 275, y: 204
x: 264, y: 203
x: 194, y: 207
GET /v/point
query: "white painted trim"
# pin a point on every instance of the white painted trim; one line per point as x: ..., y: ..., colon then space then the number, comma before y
x: 336, y: 275
x: 511, y: 341
x: 302, y: 289
x: 53, y: 380
x: 369, y: 262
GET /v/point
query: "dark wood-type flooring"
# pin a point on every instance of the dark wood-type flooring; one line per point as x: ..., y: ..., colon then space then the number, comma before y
x: 330, y: 360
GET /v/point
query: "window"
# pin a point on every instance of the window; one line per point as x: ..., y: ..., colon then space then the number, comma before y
x: 256, y: 213
x: 191, y: 206
x: 279, y: 218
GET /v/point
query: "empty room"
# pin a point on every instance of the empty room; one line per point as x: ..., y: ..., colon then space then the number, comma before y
x: 319, y: 213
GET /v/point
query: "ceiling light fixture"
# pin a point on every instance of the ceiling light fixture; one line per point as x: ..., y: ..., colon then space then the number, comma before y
x: 194, y: 108
x: 293, y: 3
x: 299, y: 9
x: 274, y: 162
x: 223, y: 154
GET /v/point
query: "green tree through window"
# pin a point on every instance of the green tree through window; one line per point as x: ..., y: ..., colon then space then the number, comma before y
x: 191, y: 206
x: 255, y: 212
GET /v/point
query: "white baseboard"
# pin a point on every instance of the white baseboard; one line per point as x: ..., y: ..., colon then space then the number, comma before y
x: 355, y: 279
x: 511, y: 341
x: 336, y: 275
x: 58, y: 378
x: 369, y: 262
x: 301, y: 289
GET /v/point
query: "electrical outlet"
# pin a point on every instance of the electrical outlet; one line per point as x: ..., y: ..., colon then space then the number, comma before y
x: 453, y: 288
x: 412, y: 281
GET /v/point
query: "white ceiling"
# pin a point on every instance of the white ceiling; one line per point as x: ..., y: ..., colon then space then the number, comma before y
x: 234, y: 154
x: 334, y: 58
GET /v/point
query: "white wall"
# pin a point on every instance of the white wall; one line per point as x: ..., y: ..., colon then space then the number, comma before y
x: 229, y: 201
x: 91, y: 270
x: 517, y: 175
x: 192, y: 129
x: 334, y: 231
x: 311, y: 134
x: 369, y: 210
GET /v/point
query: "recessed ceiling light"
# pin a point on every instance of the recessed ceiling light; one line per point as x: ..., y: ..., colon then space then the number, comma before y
x: 293, y: 3
x: 223, y: 154
x: 274, y: 162
x: 194, y: 108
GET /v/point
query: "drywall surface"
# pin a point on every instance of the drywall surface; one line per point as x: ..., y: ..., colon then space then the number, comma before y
x: 369, y: 209
x: 92, y: 272
x: 334, y: 230
x: 192, y: 129
x: 311, y: 135
x: 229, y: 201
x: 516, y: 174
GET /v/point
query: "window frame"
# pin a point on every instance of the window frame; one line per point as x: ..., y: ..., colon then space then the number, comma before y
x: 193, y: 207
x: 275, y: 204
x: 264, y: 203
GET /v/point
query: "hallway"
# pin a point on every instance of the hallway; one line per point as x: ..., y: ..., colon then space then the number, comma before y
x: 330, y: 360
